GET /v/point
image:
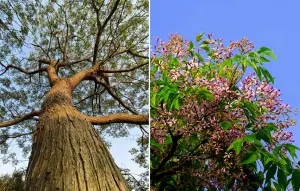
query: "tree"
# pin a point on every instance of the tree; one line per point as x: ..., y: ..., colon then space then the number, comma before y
x: 66, y: 66
x: 14, y: 182
x: 214, y: 126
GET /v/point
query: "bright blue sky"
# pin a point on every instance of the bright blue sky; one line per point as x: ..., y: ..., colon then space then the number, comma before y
x: 271, y: 23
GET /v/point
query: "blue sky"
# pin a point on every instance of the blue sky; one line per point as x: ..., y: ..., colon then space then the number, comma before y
x: 271, y: 23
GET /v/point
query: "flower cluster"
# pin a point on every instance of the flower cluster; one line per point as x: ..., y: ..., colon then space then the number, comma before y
x: 218, y: 121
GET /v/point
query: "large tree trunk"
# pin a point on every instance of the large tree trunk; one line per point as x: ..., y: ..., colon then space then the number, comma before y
x: 67, y: 152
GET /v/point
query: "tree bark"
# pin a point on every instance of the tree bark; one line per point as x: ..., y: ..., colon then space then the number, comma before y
x: 67, y: 152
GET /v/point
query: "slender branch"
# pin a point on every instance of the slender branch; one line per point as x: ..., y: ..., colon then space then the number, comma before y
x: 137, y: 55
x: 124, y: 70
x: 20, y: 119
x: 118, y: 118
x: 101, y: 27
x: 47, y: 53
x: 63, y: 64
x: 14, y: 136
x: 21, y: 69
x: 114, y: 95
x: 89, y: 96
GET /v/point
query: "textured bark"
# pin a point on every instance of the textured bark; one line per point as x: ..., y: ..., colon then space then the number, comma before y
x: 67, y: 152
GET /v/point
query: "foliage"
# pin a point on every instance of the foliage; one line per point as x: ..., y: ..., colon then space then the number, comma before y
x: 213, y: 125
x: 13, y: 182
x: 71, y: 33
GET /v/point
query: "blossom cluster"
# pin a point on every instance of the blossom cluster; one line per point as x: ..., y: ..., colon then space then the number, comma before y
x: 204, y: 117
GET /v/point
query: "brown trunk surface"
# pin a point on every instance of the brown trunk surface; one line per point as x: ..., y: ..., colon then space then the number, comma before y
x: 67, y: 152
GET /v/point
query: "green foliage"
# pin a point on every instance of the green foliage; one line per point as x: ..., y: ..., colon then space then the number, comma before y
x: 13, y: 182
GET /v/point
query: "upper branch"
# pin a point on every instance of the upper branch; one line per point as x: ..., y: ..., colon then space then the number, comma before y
x: 20, y: 119
x: 118, y: 118
x: 91, y: 73
x: 63, y: 64
x: 101, y: 27
x: 107, y: 87
x: 124, y: 70
x: 136, y: 55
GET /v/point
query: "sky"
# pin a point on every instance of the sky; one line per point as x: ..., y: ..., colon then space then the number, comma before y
x: 271, y: 23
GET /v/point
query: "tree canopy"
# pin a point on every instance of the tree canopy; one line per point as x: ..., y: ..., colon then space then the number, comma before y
x: 102, y: 46
x: 215, y: 124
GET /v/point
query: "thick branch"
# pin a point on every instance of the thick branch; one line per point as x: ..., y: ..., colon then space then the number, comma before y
x: 168, y: 156
x: 90, y: 73
x: 52, y: 71
x: 119, y: 118
x: 20, y: 119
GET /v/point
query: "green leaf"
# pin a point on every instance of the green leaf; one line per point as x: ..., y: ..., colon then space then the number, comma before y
x: 281, y: 176
x: 203, y: 93
x: 250, y: 138
x: 236, y: 145
x: 264, y: 50
x: 153, y: 99
x: 157, y: 145
x: 200, y: 58
x: 228, y: 63
x: 271, y: 55
x: 292, y: 149
x: 263, y: 59
x: 199, y: 37
x: 205, y: 47
x: 250, y: 159
x: 271, y: 172
x: 168, y: 140
x: 267, y: 75
x: 266, y: 136
x: 244, y: 64
x: 226, y: 125
x: 191, y: 45
x: 258, y: 143
x: 278, y: 188
x: 277, y: 149
x: 296, y: 179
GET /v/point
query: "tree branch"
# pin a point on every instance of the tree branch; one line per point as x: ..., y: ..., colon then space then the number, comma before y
x: 124, y: 70
x: 137, y: 55
x: 39, y: 46
x: 20, y: 119
x: 21, y: 69
x: 114, y: 95
x: 14, y: 136
x: 101, y: 27
x: 118, y: 118
x: 63, y: 64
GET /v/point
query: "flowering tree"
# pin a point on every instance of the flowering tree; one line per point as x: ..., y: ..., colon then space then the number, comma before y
x: 214, y: 127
